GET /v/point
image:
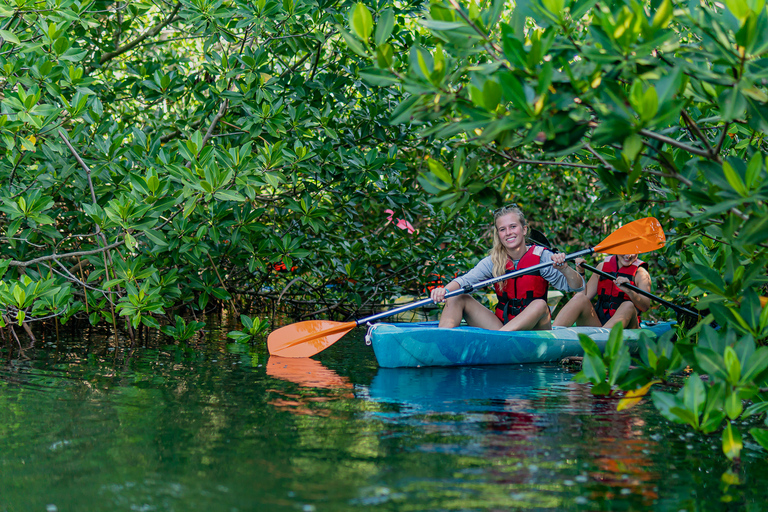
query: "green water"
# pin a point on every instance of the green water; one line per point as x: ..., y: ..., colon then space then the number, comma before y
x: 221, y: 428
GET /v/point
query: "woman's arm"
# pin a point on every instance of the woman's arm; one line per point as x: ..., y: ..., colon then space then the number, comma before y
x: 574, y: 280
x: 642, y: 281
x: 591, y: 289
x: 481, y: 272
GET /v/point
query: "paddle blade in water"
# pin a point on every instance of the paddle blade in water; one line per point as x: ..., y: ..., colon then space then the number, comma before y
x: 642, y: 235
x: 305, y: 339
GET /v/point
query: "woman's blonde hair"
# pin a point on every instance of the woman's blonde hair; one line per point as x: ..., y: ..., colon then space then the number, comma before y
x: 499, y: 255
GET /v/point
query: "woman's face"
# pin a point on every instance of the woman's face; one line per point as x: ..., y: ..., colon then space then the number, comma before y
x: 511, y: 231
x: 626, y: 260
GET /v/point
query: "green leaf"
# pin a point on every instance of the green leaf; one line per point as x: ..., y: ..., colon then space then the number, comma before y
x: 157, y: 237
x: 761, y: 436
x: 491, y: 94
x: 694, y: 395
x: 440, y: 171
x: 601, y: 389
x: 663, y: 15
x: 229, y: 195
x: 734, y: 179
x: 9, y: 36
x: 555, y: 7
x: 353, y: 43
x: 619, y: 365
x: 615, y: 341
x: 756, y: 409
x: 664, y: 402
x: 130, y: 242
x: 732, y: 444
x: 712, y: 422
x: 733, y: 405
x: 589, y: 345
x: 711, y: 362
x: 732, y: 365
x: 593, y: 368
x: 753, y: 170
x: 738, y: 8
x: 682, y: 415
x: 632, y: 146
x: 361, y: 21
x: 385, y: 56
x: 378, y: 77
x: 650, y: 105
x: 384, y: 26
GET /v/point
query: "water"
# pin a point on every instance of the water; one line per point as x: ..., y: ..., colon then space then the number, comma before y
x: 221, y: 428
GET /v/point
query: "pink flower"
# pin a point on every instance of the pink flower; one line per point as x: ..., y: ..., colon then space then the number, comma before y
x: 400, y: 223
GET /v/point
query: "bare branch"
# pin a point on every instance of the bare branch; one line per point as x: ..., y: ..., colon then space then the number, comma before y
x: 673, y: 142
x: 149, y: 33
x: 722, y: 139
x: 538, y: 162
x: 214, y: 122
x: 24, y: 264
x: 599, y: 157
x: 695, y: 128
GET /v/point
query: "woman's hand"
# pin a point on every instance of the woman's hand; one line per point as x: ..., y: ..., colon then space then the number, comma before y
x: 438, y: 294
x: 621, y: 280
x: 558, y: 261
x: 579, y: 268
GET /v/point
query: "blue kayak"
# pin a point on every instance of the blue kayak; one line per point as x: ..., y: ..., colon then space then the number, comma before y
x: 412, y: 345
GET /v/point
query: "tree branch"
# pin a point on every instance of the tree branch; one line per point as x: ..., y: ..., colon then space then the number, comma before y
x: 24, y: 264
x: 150, y: 33
x: 676, y: 143
x: 492, y: 48
x: 538, y: 162
x: 695, y: 128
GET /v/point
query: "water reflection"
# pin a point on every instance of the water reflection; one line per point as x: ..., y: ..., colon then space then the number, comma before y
x: 219, y: 427
x: 307, y: 373
x: 462, y: 389
x: 529, y: 425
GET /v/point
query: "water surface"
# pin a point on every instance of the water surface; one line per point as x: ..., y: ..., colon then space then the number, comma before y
x: 221, y: 427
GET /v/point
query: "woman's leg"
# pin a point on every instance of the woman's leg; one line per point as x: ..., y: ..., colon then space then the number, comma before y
x: 535, y: 317
x: 466, y: 307
x: 578, y: 310
x: 626, y: 314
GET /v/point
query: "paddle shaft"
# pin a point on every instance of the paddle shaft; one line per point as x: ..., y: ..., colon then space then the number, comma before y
x: 635, y: 289
x: 470, y: 288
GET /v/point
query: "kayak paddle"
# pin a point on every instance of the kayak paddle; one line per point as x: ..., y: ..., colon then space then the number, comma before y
x: 305, y: 339
x: 675, y: 307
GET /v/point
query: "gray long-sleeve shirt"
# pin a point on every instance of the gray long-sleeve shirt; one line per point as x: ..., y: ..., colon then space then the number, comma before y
x: 484, y: 270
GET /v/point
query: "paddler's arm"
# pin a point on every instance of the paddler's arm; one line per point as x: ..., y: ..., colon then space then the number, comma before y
x: 438, y: 294
x: 591, y: 289
x: 574, y: 280
x: 482, y: 271
x: 642, y: 281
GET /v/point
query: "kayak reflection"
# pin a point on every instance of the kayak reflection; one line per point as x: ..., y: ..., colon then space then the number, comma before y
x: 462, y: 389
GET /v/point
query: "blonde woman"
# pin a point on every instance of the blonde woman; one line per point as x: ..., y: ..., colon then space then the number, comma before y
x: 522, y: 302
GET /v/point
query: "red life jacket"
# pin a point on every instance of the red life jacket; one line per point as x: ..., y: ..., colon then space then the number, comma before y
x: 610, y: 296
x: 515, y: 294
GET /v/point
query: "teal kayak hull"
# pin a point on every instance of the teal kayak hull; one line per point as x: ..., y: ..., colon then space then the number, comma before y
x: 413, y: 345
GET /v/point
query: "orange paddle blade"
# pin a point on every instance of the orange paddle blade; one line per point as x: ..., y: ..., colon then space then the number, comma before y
x: 642, y: 235
x: 305, y: 339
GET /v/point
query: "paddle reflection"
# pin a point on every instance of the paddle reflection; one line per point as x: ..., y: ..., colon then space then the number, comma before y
x: 309, y: 374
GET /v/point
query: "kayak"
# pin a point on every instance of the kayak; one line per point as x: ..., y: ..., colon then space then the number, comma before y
x: 413, y: 345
